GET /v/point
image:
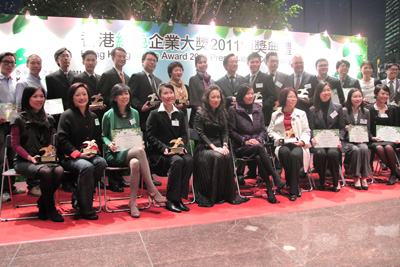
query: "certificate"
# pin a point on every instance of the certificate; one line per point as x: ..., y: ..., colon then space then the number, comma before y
x: 54, y: 106
x: 358, y: 134
x: 388, y: 133
x: 335, y: 96
x: 327, y: 137
x: 8, y: 110
x: 127, y: 138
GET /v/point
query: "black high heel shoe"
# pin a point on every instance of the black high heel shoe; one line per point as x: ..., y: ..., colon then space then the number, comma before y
x: 271, y: 197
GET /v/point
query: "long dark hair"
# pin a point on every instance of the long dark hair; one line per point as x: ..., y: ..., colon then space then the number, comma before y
x: 29, y: 91
x: 220, y: 113
x: 241, y: 93
x: 71, y: 92
x: 349, y: 104
x: 117, y: 90
x: 317, y: 98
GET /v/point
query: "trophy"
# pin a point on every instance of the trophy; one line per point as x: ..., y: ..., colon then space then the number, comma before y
x: 182, y: 97
x: 288, y: 136
x: 302, y: 93
x: 97, y: 100
x: 49, y: 155
x: 175, y: 147
x: 153, y: 99
x: 91, y: 147
x: 258, y: 98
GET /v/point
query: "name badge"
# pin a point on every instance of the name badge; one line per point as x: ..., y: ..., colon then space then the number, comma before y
x: 383, y: 115
x: 96, y: 122
x: 279, y: 84
x: 259, y: 85
x: 333, y: 114
x: 308, y: 85
x: 175, y: 123
x: 363, y: 121
x: 132, y: 121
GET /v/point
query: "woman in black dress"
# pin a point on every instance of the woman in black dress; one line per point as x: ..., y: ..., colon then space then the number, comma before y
x: 31, y: 130
x: 213, y: 175
x: 382, y: 114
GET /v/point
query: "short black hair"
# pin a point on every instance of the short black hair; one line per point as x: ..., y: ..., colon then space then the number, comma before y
x: 5, y: 54
x: 149, y: 53
x: 367, y: 62
x: 384, y: 87
x: 88, y: 52
x: 161, y: 86
x: 172, y: 66
x: 391, y: 64
x: 241, y: 92
x: 33, y: 55
x: 342, y: 61
x: 60, y: 51
x: 252, y: 55
x: 270, y: 54
x: 320, y: 60
x: 284, y: 94
x: 226, y: 58
x: 115, y: 49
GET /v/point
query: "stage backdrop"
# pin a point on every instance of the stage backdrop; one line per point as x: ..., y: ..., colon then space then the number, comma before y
x: 177, y: 42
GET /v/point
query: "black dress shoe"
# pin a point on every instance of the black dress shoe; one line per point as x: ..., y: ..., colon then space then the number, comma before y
x: 357, y: 187
x: 364, y: 187
x: 171, y: 206
x: 124, y: 184
x: 299, y: 193
x: 392, y: 180
x: 156, y: 183
x: 292, y: 197
x: 116, y: 188
x: 241, y: 180
x: 336, y: 190
x: 182, y: 206
x: 90, y: 216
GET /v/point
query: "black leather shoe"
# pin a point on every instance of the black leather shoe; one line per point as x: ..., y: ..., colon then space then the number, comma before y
x: 116, y: 188
x: 90, y: 216
x: 392, y: 180
x: 124, y: 184
x: 282, y: 185
x: 54, y: 215
x: 171, y: 206
x: 292, y: 197
x: 241, y: 180
x: 156, y: 183
x: 321, y: 188
x: 182, y: 206
x: 336, y: 190
x: 299, y: 193
x: 364, y: 187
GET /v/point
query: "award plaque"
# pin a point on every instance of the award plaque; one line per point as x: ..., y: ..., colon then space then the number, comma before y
x: 97, y: 100
x: 288, y: 136
x: 153, y: 99
x: 48, y: 156
x: 258, y: 98
x: 175, y: 147
x: 8, y: 110
x: 302, y: 93
x: 91, y: 147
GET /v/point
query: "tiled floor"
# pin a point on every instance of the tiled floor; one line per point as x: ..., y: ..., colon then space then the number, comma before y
x: 365, y: 234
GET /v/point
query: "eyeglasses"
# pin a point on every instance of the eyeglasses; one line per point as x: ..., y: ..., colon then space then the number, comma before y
x: 394, y: 69
x: 64, y: 56
x: 273, y: 61
x: 151, y: 60
x: 322, y: 66
x: 6, y: 62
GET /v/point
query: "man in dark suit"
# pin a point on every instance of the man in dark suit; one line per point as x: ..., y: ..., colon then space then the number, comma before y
x: 299, y: 79
x: 342, y: 68
x: 322, y: 67
x: 59, y: 82
x: 281, y: 80
x: 113, y: 76
x: 89, y: 77
x: 392, y: 71
x: 142, y: 85
x: 262, y: 83
x: 230, y: 83
x: 108, y: 79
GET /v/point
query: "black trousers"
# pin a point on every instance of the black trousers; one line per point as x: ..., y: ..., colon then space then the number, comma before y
x: 180, y: 170
x: 291, y: 158
x: 330, y: 157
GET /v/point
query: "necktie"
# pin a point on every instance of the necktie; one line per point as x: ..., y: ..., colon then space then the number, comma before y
x: 273, y: 76
x: 232, y: 79
x: 252, y: 79
x: 122, y: 77
x: 153, y: 84
x: 93, y: 78
x: 297, y: 82
x: 391, y: 87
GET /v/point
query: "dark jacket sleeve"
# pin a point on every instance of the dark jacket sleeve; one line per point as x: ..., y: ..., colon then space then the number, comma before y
x: 134, y: 85
x: 233, y: 131
x: 199, y: 126
x: 64, y: 134
x: 152, y: 130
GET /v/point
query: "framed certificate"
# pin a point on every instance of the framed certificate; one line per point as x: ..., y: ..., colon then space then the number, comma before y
x: 388, y: 133
x: 8, y: 110
x: 127, y: 138
x: 327, y: 137
x: 54, y: 106
x: 358, y: 134
x: 335, y: 96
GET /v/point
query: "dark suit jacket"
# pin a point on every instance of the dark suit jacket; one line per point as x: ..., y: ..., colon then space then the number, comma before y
x: 396, y: 89
x: 196, y: 90
x: 317, y: 121
x: 265, y: 85
x: 363, y: 118
x: 391, y: 113
x: 281, y: 81
x: 350, y: 82
x: 107, y: 81
x: 305, y: 80
x: 334, y: 82
x: 225, y: 84
x: 58, y: 85
x: 159, y: 133
x: 84, y: 78
x: 141, y: 89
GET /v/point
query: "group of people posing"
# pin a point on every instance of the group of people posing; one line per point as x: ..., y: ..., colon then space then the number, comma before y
x: 237, y: 111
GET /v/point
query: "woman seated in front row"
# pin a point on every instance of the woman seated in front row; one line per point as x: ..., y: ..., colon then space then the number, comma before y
x: 78, y: 125
x: 356, y: 114
x: 31, y: 130
x: 325, y: 114
x: 213, y: 175
x: 382, y: 114
x: 166, y: 128
x: 122, y: 116
x: 247, y: 131
x: 291, y: 124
